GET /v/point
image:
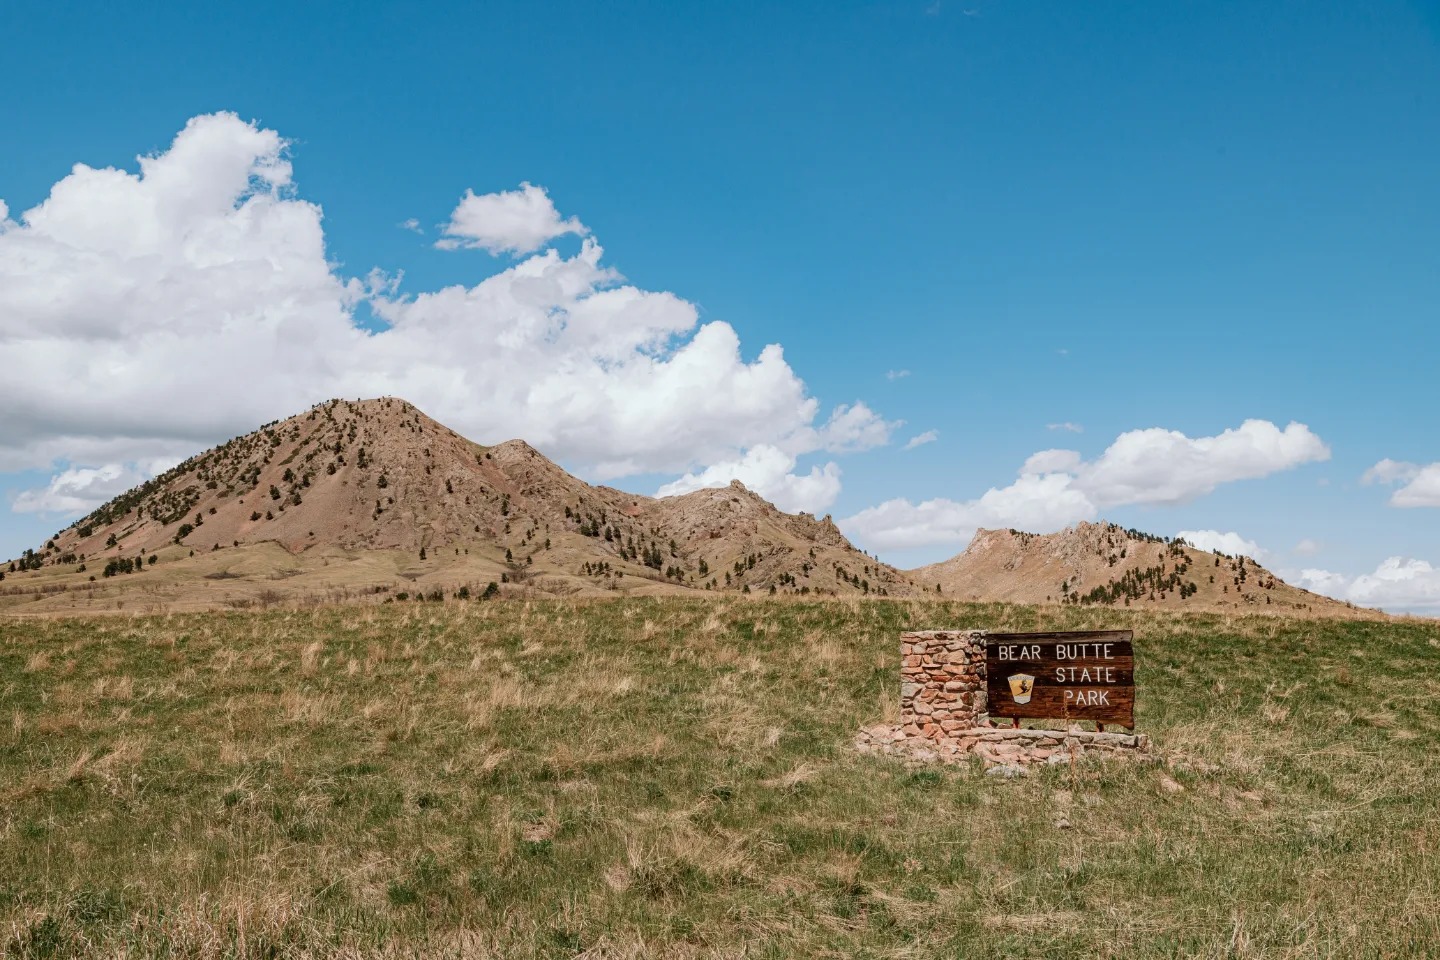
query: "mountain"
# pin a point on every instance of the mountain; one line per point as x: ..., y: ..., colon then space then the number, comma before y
x: 1102, y: 564
x: 375, y: 496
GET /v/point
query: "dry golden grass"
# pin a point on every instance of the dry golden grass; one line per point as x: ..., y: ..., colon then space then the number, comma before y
x: 674, y: 778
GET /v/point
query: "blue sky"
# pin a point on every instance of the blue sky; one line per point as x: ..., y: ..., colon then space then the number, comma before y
x: 1117, y: 217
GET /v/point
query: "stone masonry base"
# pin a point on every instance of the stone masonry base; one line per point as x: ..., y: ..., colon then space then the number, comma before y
x: 1004, y: 746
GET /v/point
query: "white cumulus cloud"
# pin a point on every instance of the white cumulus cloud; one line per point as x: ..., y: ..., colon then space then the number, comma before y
x: 1067, y: 426
x: 851, y: 428
x: 511, y: 221
x: 1423, y: 491
x: 920, y: 439
x: 147, y: 314
x: 768, y: 471
x: 1420, y: 485
x: 1230, y: 543
x: 1398, y: 585
x: 1052, y: 461
x: 1058, y: 487
x: 79, y: 489
x: 1389, y: 471
x: 1165, y: 466
x: 768, y: 468
x: 1034, y: 502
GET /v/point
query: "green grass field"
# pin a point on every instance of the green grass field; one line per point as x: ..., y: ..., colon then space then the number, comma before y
x: 675, y: 778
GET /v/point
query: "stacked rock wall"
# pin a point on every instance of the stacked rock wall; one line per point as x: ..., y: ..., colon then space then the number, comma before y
x: 942, y: 682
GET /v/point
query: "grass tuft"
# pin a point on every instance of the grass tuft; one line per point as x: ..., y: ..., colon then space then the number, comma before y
x: 674, y: 777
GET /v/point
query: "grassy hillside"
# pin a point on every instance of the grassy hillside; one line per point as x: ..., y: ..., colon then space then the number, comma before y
x: 665, y: 777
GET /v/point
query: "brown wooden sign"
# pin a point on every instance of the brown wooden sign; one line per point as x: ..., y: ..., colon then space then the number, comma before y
x: 1088, y: 675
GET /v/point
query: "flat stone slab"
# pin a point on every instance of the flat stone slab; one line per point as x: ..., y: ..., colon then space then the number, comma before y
x: 1131, y: 741
x: 1004, y: 746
